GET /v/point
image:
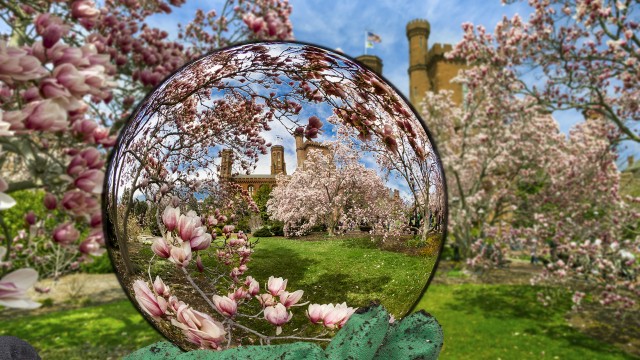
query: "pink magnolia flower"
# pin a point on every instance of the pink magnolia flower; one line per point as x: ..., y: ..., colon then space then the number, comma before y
x: 181, y: 255
x: 187, y: 225
x: 84, y: 9
x: 45, y: 115
x: 199, y: 264
x: 65, y: 234
x: 266, y: 300
x: 90, y: 181
x: 170, y: 217
x: 201, y: 239
x: 212, y: 220
x: 226, y: 306
x: 316, y: 312
x: 16, y: 64
x: 6, y: 201
x: 50, y: 201
x: 276, y: 285
x: 201, y: 329
x: 288, y: 299
x: 160, y: 288
x: 336, y: 316
x: 161, y: 248
x: 240, y: 293
x: 227, y: 229
x: 30, y: 217
x: 277, y: 315
x: 14, y: 286
x: 253, y: 284
x: 91, y: 247
x: 152, y: 304
x: 89, y: 158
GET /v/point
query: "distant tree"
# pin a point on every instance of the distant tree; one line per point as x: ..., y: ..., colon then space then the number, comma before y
x: 261, y: 197
x: 584, y: 54
x: 334, y: 190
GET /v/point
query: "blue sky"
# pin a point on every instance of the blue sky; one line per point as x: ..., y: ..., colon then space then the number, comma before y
x: 341, y: 24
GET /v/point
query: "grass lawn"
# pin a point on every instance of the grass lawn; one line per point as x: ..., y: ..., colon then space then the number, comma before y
x: 506, y: 322
x: 479, y: 321
x: 107, y: 331
x: 337, y: 270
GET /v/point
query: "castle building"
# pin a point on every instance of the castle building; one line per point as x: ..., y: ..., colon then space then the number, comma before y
x: 429, y: 70
x: 252, y: 182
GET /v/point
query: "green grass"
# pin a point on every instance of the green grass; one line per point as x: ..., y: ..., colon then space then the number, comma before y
x: 96, y: 332
x: 479, y: 322
x: 506, y: 322
x: 337, y: 270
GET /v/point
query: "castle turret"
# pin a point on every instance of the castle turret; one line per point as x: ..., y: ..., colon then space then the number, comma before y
x: 418, y: 34
x: 278, y: 165
x: 227, y: 164
x: 300, y: 150
x: 372, y: 62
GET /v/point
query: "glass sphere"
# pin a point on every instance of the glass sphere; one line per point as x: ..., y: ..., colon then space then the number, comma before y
x: 265, y: 191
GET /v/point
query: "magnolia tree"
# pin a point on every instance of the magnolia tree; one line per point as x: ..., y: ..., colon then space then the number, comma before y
x: 516, y: 182
x: 584, y: 53
x: 591, y: 232
x: 335, y: 190
x: 226, y: 103
x: 69, y: 75
x: 416, y: 166
x: 488, y: 146
x: 234, y: 291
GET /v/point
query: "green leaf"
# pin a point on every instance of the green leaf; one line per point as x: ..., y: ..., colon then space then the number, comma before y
x: 361, y: 336
x: 418, y: 336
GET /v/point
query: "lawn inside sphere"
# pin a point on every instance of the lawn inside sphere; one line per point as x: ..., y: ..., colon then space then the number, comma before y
x: 264, y: 192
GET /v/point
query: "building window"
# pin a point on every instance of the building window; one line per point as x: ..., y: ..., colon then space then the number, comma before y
x: 250, y: 190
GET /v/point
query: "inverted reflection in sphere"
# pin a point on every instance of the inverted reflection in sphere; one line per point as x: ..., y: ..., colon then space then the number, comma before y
x: 265, y: 191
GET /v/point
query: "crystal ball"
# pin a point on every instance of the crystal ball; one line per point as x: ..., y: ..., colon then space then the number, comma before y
x: 265, y: 191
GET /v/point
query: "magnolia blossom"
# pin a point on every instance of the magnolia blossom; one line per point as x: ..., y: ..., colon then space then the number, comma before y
x: 225, y: 305
x: 275, y: 285
x: 6, y: 201
x: 161, y: 248
x: 160, y: 288
x: 201, y: 329
x: 201, y: 239
x: 90, y: 181
x: 181, y: 255
x: 253, y: 284
x: 14, y: 286
x: 152, y: 304
x: 316, y: 312
x: 289, y: 299
x: 329, y: 315
x: 188, y: 225
x: 170, y: 217
x: 277, y: 315
x: 266, y: 300
x: 65, y: 234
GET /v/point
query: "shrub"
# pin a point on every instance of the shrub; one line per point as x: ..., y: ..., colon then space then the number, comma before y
x: 262, y: 232
x: 277, y: 228
x: 100, y: 265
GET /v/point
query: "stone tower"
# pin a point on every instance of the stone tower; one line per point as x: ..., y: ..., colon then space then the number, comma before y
x: 418, y: 34
x: 300, y: 151
x: 227, y: 163
x: 373, y: 62
x: 278, y: 165
x: 429, y: 70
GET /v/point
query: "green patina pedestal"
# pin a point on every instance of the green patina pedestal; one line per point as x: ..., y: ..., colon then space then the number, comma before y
x: 367, y: 335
